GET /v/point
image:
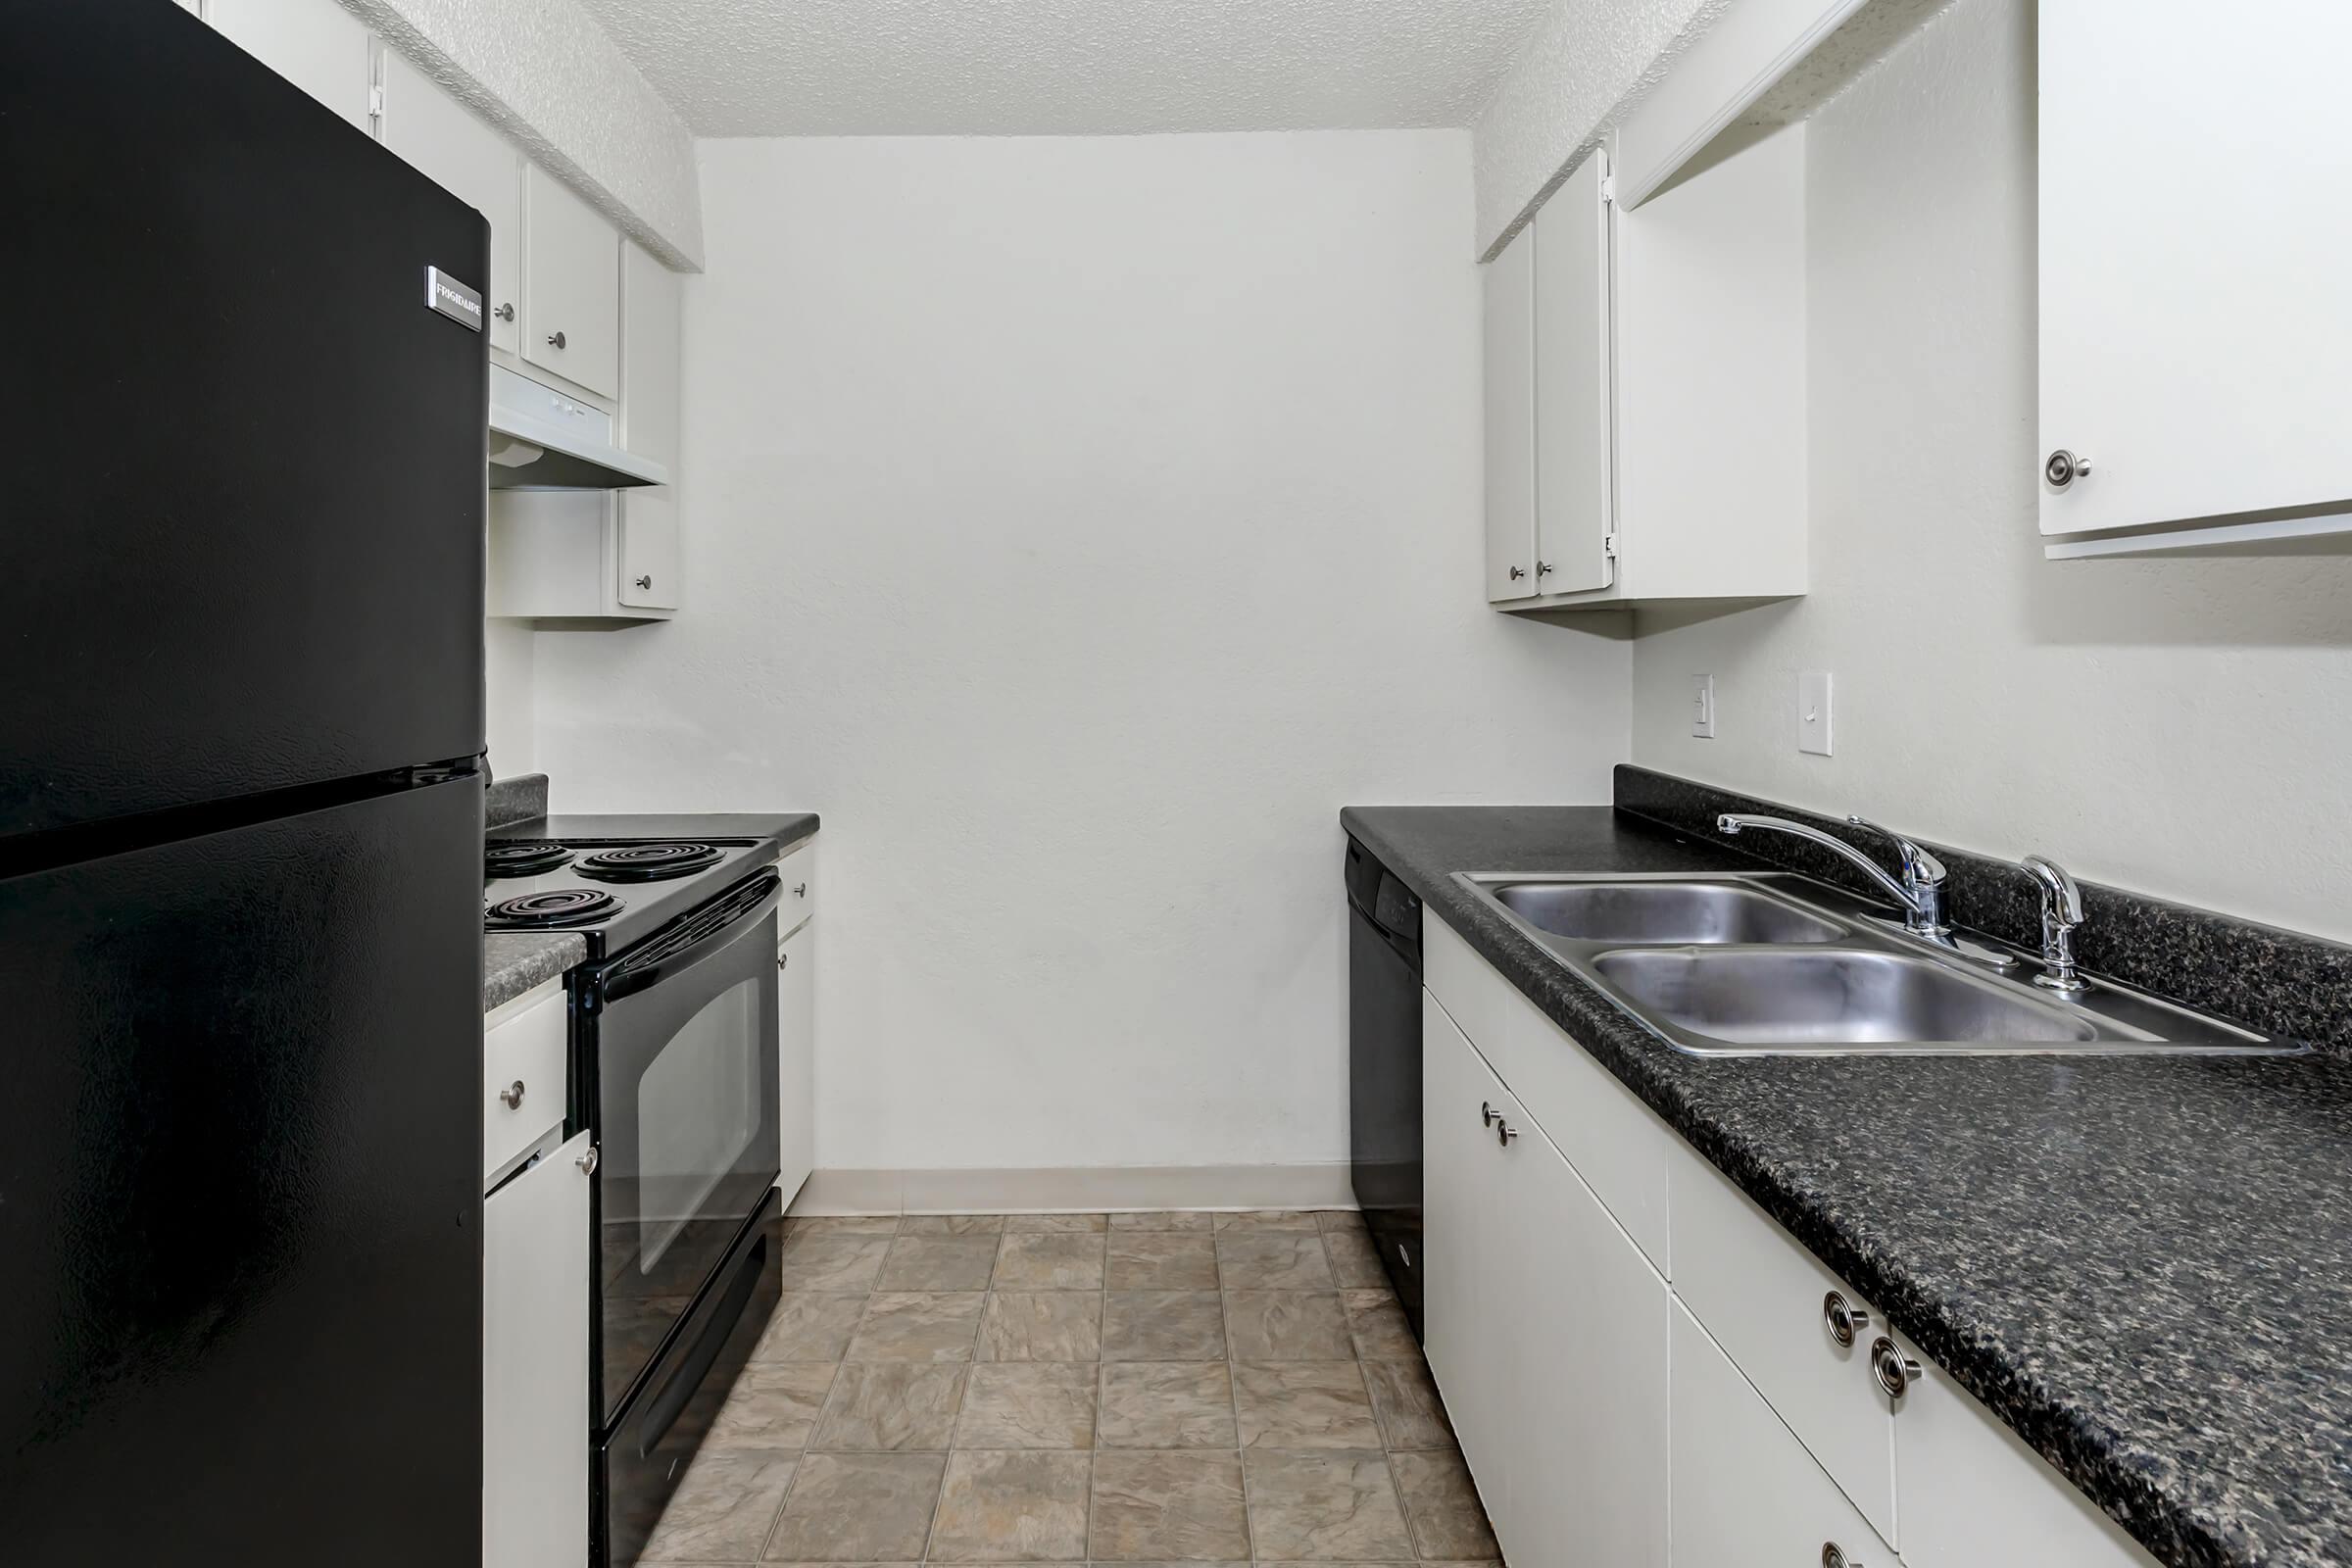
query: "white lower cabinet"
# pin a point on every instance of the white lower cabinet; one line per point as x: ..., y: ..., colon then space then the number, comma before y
x: 535, y: 1364
x: 1729, y: 1419
x: 1745, y: 1491
x: 1559, y: 1341
x: 1769, y: 1302
x: 1974, y: 1493
x: 796, y: 1051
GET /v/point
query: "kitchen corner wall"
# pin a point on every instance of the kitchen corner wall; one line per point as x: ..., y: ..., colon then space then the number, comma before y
x: 2174, y: 726
x: 1077, y: 523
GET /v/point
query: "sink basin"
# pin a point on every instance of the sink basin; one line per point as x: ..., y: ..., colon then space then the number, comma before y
x: 1767, y: 963
x: 1660, y: 913
x: 1830, y: 998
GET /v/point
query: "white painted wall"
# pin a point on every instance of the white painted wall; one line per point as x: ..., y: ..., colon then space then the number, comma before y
x: 545, y: 73
x: 1078, y: 524
x: 2173, y: 726
x: 1584, y: 62
x: 510, y: 662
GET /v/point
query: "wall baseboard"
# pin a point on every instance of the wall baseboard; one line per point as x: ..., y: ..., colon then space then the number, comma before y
x: 1084, y: 1189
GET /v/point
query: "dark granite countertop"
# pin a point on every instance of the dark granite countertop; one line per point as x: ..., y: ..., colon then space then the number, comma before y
x: 513, y: 961
x: 2144, y: 1265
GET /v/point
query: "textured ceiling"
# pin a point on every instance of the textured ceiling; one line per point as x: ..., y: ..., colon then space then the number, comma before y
x: 780, y: 67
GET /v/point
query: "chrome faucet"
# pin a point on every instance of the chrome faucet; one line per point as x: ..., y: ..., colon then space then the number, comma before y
x: 2060, y: 913
x: 1920, y: 892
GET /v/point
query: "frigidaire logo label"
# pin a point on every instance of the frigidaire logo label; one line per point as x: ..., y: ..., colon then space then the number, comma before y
x: 452, y: 298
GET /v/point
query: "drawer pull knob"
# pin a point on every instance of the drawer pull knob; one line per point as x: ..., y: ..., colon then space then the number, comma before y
x: 1487, y: 1114
x: 1843, y: 1319
x: 510, y: 1097
x: 1504, y: 1132
x: 1834, y: 1556
x: 1894, y: 1370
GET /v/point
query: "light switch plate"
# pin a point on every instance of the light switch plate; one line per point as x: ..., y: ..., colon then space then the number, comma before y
x: 1813, y: 711
x: 1703, y: 707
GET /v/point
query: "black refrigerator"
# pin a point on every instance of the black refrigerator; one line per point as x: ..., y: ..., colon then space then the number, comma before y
x: 240, y: 816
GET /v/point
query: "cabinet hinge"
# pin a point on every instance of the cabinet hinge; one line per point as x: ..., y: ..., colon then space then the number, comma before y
x: 1608, y: 189
x: 375, y: 103
x: 1608, y: 546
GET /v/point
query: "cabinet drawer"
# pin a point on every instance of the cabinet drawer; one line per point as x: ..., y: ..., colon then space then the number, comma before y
x: 525, y: 1073
x: 799, y: 872
x: 1972, y: 1493
x: 1618, y: 1145
x: 1764, y: 1300
x: 1744, y: 1490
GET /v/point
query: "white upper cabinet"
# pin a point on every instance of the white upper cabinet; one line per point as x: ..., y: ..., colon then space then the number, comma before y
x: 572, y: 286
x: 2194, y: 321
x: 442, y: 140
x: 1575, y: 488
x: 315, y: 44
x: 647, y: 520
x: 1510, y: 381
x: 1653, y: 446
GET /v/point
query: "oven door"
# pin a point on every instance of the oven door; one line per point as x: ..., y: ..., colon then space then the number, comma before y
x: 680, y: 1049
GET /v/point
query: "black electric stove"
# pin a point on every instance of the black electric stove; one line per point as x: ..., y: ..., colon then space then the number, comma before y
x: 612, y: 891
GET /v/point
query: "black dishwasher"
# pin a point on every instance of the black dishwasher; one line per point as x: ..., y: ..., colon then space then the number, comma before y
x: 1384, y: 1066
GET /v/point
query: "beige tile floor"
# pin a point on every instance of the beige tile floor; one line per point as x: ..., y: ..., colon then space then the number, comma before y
x: 1072, y: 1388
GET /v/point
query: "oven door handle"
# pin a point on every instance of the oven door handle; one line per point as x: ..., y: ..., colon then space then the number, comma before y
x: 704, y: 934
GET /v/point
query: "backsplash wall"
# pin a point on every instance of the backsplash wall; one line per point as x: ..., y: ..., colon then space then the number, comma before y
x: 2171, y: 726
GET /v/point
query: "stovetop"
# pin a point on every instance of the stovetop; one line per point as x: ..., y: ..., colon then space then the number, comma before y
x: 614, y: 892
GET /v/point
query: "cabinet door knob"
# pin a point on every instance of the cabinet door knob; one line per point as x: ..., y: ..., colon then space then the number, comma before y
x: 1834, y: 1556
x: 801, y: 891
x: 587, y: 1161
x: 1518, y: 572
x: 1542, y: 568
x: 2064, y: 467
x: 783, y: 958
x: 505, y: 312
x: 512, y: 1096
x: 555, y: 340
x: 1504, y: 1132
x: 1487, y: 1114
x: 1843, y: 1319
x: 646, y: 582
x: 1894, y: 1370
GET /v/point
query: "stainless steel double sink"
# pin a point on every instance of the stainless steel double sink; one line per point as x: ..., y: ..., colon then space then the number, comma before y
x: 1767, y: 963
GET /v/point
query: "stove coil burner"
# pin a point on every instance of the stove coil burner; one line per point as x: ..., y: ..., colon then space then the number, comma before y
x: 647, y: 863
x: 523, y: 857
x: 565, y: 906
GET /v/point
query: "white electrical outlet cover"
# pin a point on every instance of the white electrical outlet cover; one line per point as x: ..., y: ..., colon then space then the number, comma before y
x: 1813, y: 712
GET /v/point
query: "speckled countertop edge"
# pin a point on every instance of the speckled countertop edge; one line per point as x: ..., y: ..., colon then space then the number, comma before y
x: 513, y: 961
x: 2218, y: 1444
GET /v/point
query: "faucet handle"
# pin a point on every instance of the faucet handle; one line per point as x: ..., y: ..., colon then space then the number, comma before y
x: 2060, y: 913
x: 1919, y: 868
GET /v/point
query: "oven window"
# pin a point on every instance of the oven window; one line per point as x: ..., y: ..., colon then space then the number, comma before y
x: 697, y: 1109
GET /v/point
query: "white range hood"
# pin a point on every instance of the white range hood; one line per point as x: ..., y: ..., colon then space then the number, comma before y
x: 543, y: 440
